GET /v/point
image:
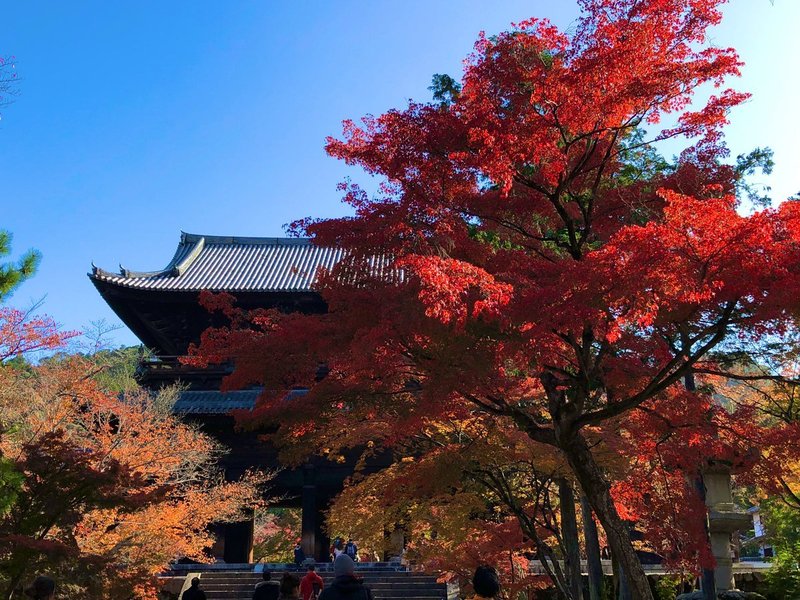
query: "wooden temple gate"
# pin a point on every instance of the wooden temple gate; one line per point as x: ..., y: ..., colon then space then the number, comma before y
x: 161, y: 308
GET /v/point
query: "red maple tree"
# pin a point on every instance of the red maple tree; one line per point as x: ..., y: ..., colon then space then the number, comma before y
x: 525, y: 258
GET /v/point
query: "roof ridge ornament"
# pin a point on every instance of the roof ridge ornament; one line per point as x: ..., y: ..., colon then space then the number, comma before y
x: 182, y: 266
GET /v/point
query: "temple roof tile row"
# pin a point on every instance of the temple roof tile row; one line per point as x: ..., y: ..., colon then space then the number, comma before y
x: 233, y: 264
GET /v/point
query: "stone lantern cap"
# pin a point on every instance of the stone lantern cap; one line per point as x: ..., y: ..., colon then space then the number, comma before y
x: 728, y: 521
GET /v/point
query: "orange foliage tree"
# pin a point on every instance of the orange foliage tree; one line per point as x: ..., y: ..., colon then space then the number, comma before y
x: 466, y: 493
x: 106, y: 489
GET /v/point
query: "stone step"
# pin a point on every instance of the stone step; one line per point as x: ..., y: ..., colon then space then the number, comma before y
x: 425, y: 589
x: 225, y: 595
x: 321, y: 566
x: 404, y: 585
x: 253, y: 580
x: 235, y: 593
x: 220, y: 594
x: 248, y: 594
x: 321, y: 573
x: 400, y: 587
x: 328, y: 581
x: 248, y: 580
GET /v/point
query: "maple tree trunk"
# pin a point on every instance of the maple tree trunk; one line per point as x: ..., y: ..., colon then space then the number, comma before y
x: 624, y: 588
x: 593, y: 564
x: 569, y: 533
x: 597, y: 492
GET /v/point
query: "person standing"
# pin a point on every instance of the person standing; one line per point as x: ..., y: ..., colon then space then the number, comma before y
x: 351, y: 550
x: 311, y: 585
x: 486, y: 583
x: 266, y: 589
x: 345, y: 586
x: 299, y: 555
x: 338, y: 548
x: 194, y: 592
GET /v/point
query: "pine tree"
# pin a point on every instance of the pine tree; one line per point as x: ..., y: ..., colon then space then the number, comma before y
x: 12, y: 274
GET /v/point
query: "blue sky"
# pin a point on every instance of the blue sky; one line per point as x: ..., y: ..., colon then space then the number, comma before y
x: 137, y: 120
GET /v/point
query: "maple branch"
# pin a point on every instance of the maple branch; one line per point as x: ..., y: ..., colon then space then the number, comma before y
x: 487, y: 407
x: 741, y: 377
x: 522, y: 419
x: 587, y: 213
x: 497, y: 482
x: 527, y: 182
x: 791, y: 495
x: 520, y: 230
x: 587, y: 368
x: 528, y: 425
x: 553, y: 198
x: 572, y: 247
x: 669, y: 374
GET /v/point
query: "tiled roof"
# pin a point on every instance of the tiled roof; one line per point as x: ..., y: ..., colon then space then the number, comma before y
x: 211, y: 402
x: 233, y: 264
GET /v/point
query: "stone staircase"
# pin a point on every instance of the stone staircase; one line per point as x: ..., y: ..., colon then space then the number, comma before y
x: 386, y: 582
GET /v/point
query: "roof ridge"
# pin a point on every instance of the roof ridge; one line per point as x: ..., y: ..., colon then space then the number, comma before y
x: 191, y: 238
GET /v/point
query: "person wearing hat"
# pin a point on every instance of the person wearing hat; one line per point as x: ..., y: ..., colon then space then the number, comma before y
x: 345, y: 586
x: 42, y: 588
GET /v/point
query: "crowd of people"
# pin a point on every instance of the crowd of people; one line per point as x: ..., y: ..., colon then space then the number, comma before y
x: 339, y: 547
x: 345, y: 585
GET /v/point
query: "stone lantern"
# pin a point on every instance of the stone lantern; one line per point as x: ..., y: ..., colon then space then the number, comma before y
x: 724, y: 518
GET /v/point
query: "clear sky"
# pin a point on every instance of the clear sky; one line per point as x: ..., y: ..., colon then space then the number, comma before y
x: 137, y: 120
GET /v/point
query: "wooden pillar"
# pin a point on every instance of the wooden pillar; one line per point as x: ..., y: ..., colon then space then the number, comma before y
x: 314, y: 540
x: 309, y: 508
x: 397, y: 543
x: 322, y: 539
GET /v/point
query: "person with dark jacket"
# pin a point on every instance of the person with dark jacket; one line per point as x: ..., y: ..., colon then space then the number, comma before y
x: 194, y: 592
x: 299, y: 555
x: 267, y: 589
x: 351, y: 550
x: 486, y: 583
x: 345, y: 586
